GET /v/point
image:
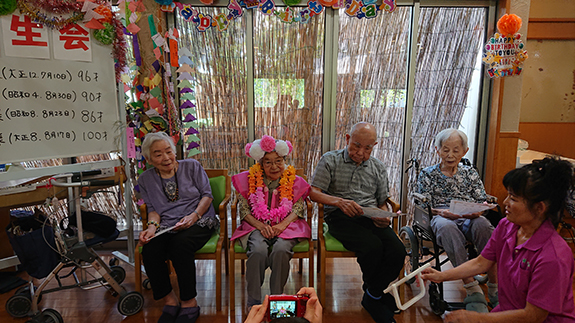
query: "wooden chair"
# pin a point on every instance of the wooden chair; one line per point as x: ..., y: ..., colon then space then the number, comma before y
x: 330, y: 247
x: 220, y: 183
x: 302, y: 250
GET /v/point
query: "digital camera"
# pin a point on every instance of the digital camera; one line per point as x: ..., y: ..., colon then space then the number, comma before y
x: 286, y: 306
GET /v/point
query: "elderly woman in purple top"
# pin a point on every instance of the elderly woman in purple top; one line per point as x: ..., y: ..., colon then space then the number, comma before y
x: 535, y: 265
x: 177, y: 194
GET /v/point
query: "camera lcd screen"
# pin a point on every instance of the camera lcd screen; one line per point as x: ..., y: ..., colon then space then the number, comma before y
x: 282, y: 309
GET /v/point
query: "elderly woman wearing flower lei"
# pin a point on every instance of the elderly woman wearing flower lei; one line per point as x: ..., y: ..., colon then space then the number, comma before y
x: 271, y: 203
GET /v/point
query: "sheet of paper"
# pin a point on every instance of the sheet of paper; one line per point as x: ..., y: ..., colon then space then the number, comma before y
x: 462, y: 207
x: 159, y: 233
x: 374, y: 212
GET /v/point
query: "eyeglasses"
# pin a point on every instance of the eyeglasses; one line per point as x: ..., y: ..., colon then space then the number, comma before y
x: 277, y: 162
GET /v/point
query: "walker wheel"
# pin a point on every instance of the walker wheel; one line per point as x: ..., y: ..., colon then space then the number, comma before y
x: 114, y: 262
x: 130, y: 303
x: 51, y: 316
x: 118, y: 273
x: 147, y: 284
x: 18, y: 305
x: 25, y: 290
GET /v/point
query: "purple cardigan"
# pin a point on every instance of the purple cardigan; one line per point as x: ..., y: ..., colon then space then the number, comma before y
x: 193, y: 185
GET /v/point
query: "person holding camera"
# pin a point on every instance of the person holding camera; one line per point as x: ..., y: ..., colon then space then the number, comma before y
x: 272, y: 209
x: 313, y: 310
x: 345, y: 181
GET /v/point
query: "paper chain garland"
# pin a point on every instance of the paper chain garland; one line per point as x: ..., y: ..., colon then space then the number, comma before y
x: 354, y: 8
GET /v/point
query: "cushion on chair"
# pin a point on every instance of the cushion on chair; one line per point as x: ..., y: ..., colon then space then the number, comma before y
x: 210, y: 246
x: 218, y: 185
x: 331, y: 243
x: 302, y: 246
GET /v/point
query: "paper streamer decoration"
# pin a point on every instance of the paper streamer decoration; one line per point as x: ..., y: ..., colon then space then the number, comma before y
x: 504, y: 52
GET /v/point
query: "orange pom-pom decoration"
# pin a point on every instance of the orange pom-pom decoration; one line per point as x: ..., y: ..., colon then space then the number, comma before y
x: 105, y: 12
x: 509, y: 24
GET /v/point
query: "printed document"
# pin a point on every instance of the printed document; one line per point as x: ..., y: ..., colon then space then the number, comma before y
x: 462, y: 207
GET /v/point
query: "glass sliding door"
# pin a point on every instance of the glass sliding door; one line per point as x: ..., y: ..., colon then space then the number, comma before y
x: 372, y: 83
x: 288, y: 84
x: 219, y: 62
x: 448, y: 78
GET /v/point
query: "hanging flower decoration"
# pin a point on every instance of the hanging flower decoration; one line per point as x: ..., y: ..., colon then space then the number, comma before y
x: 7, y: 7
x: 105, y: 12
x: 105, y: 36
x: 508, y: 25
x: 505, y: 52
x: 258, y: 195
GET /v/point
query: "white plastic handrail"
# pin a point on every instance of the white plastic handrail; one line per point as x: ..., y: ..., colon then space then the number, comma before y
x: 392, y: 288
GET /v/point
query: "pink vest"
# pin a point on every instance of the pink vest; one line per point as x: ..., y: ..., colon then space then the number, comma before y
x: 296, y: 229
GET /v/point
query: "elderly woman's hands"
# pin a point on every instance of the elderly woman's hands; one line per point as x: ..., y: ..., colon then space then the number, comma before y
x: 146, y: 235
x: 187, y: 221
x: 266, y: 230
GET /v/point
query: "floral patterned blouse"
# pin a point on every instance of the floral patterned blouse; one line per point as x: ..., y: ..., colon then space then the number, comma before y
x: 465, y: 185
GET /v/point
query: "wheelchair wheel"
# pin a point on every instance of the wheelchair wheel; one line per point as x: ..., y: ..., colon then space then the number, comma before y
x: 146, y: 284
x: 18, y: 305
x: 118, y: 273
x: 131, y: 303
x: 412, y: 248
x: 438, y: 306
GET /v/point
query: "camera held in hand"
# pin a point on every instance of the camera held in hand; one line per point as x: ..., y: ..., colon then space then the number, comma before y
x: 286, y: 306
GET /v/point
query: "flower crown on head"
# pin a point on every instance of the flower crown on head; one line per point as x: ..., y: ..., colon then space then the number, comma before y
x: 267, y: 144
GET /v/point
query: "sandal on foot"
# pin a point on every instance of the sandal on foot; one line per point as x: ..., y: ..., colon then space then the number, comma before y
x: 188, y: 315
x: 476, y: 302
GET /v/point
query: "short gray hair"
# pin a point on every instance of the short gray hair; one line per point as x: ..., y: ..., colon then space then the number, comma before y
x: 446, y: 133
x: 151, y: 138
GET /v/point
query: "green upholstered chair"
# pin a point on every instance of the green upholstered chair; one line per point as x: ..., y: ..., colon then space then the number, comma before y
x: 220, y: 183
x: 303, y: 250
x: 330, y: 247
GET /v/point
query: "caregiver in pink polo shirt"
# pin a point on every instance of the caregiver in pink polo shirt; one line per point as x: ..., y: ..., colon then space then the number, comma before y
x: 534, y: 264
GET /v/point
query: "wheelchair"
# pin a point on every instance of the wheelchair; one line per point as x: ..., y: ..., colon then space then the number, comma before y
x: 422, y: 248
x: 75, y: 252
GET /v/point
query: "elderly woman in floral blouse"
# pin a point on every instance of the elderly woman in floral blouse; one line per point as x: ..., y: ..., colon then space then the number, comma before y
x: 450, y: 180
x: 271, y: 206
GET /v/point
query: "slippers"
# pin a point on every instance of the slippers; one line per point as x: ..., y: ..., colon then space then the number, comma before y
x: 476, y: 302
x: 169, y: 314
x: 188, y: 315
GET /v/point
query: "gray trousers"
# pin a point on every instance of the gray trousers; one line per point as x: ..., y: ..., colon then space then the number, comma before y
x: 452, y: 235
x: 263, y: 253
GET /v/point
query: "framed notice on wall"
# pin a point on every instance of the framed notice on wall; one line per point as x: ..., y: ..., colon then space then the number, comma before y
x: 57, y: 92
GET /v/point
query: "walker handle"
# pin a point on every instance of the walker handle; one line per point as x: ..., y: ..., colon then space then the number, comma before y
x: 393, y: 288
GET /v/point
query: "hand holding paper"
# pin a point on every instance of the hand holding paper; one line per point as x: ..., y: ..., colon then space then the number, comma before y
x: 462, y: 208
x: 374, y: 212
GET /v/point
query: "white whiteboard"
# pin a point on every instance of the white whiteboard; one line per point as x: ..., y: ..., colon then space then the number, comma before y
x: 52, y: 108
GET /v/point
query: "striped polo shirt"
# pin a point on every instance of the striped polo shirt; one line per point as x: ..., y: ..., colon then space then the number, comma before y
x: 338, y: 175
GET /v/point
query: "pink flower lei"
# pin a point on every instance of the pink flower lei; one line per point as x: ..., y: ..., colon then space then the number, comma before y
x: 258, y: 202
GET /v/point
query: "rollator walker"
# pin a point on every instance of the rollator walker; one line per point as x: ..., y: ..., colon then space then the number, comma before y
x: 76, y: 253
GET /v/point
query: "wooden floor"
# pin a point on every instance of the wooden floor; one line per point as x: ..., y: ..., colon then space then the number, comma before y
x: 342, y: 304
